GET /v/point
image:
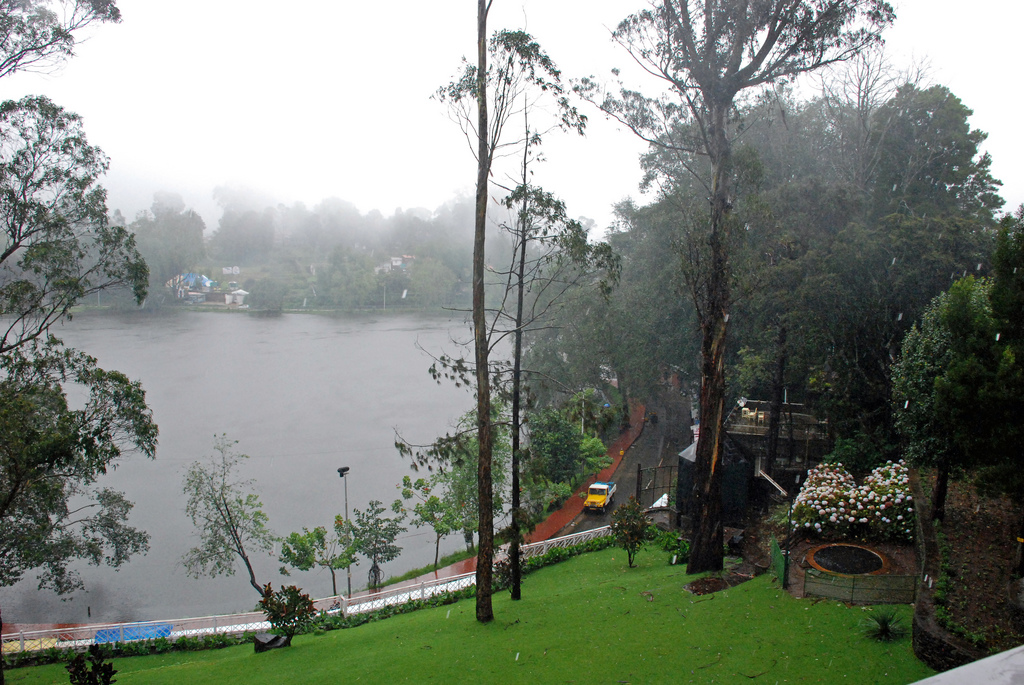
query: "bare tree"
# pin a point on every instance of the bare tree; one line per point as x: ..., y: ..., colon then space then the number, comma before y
x: 508, y: 65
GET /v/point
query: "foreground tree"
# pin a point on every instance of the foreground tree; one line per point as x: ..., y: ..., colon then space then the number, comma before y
x: 227, y: 515
x: 316, y: 547
x: 517, y: 63
x: 945, y: 362
x: 39, y: 35
x: 58, y: 244
x: 1002, y: 474
x: 707, y: 55
x: 52, y: 512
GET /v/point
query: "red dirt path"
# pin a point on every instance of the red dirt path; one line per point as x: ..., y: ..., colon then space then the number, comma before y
x: 574, y: 505
x: 558, y: 519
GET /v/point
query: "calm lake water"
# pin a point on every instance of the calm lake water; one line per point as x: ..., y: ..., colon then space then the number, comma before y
x: 303, y: 394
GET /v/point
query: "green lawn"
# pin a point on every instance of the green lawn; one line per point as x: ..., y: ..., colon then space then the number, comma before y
x: 586, y: 620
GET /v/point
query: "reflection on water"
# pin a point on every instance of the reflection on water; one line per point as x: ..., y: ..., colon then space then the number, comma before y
x: 303, y: 395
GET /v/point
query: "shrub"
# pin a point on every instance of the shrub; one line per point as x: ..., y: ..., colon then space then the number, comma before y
x: 884, y: 625
x: 91, y: 670
x: 630, y: 528
x: 831, y: 504
x: 289, y: 611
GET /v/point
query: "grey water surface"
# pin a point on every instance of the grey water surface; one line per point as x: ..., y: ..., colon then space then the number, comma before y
x: 303, y: 394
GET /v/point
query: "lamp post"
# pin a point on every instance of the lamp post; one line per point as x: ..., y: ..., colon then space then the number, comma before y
x: 342, y: 472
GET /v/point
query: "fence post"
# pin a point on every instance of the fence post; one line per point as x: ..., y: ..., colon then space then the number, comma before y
x: 21, y: 634
x: 785, y: 570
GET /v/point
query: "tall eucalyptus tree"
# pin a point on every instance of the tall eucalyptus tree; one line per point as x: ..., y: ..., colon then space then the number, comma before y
x: 707, y: 56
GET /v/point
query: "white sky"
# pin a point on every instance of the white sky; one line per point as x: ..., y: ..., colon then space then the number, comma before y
x: 318, y: 98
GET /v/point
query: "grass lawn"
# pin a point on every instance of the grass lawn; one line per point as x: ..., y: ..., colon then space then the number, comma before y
x: 587, y: 620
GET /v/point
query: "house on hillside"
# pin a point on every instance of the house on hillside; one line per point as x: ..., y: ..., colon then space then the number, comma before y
x: 395, y: 264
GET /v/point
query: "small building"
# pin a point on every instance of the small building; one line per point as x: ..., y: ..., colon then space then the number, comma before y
x: 235, y: 297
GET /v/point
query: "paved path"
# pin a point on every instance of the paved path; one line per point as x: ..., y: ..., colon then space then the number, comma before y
x: 573, y: 506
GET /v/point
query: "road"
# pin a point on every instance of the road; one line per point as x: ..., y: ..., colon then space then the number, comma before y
x: 659, y: 444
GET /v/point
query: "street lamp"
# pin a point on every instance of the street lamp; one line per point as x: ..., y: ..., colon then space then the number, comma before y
x: 342, y: 472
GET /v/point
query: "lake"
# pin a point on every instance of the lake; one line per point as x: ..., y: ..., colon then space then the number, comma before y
x: 303, y: 394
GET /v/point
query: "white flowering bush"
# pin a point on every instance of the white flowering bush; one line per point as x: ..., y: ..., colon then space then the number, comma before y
x: 831, y: 504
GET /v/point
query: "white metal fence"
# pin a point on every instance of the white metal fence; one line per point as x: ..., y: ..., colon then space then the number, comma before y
x: 234, y: 624
x: 538, y: 548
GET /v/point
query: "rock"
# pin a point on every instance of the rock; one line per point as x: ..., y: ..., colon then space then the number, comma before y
x: 266, y: 641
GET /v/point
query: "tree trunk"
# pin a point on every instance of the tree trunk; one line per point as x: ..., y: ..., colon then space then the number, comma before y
x: 775, y: 408
x: 334, y: 582
x: 513, y: 550
x: 706, y: 552
x: 437, y: 550
x: 939, y: 493
x: 485, y: 440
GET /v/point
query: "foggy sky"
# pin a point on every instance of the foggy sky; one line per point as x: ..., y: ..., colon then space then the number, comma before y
x: 329, y: 98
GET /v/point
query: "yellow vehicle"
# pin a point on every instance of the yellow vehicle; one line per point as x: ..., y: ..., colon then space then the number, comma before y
x: 600, y: 496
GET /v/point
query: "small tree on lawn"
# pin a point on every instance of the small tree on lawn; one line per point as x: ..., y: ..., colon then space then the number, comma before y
x: 316, y: 548
x: 440, y: 514
x: 288, y: 611
x: 227, y: 515
x: 375, y: 537
x: 629, y: 526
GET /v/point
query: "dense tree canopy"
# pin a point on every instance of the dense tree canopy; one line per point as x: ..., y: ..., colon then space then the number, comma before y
x: 58, y: 243
x: 52, y: 511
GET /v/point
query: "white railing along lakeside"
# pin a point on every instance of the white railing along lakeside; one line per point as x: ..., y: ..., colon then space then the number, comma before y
x: 233, y: 624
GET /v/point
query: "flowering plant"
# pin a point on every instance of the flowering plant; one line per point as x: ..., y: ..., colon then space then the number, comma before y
x: 831, y: 504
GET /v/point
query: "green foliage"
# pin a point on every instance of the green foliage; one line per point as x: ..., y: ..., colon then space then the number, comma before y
x: 92, y: 670
x: 58, y: 244
x: 315, y: 547
x: 228, y: 516
x: 630, y: 528
x: 594, y: 455
x: 957, y: 389
x: 375, y: 537
x: 440, y: 514
x: 932, y: 164
x: 884, y: 624
x: 858, y: 454
x: 289, y: 610
x: 453, y: 457
x: 51, y: 457
x: 555, y: 445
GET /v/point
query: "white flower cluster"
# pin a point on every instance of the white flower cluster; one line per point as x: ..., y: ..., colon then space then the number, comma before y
x: 831, y: 504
